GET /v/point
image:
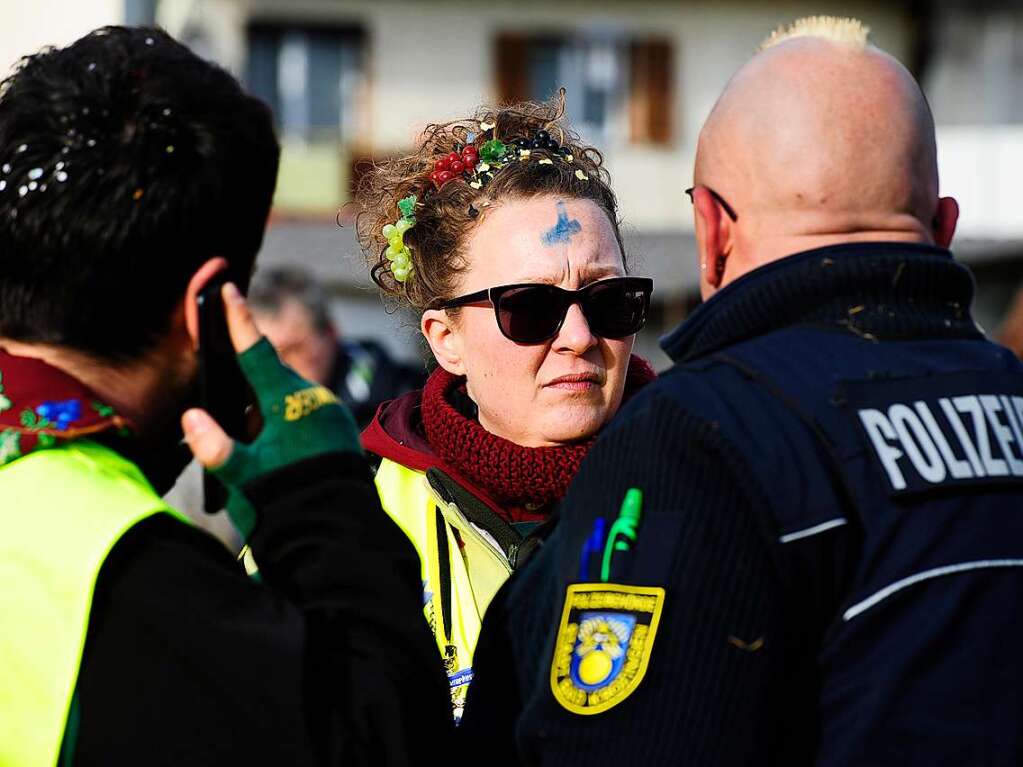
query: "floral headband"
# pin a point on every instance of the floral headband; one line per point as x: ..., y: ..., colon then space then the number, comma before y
x: 476, y: 166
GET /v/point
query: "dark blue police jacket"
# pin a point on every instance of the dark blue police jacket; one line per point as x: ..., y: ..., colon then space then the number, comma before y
x: 832, y: 475
x: 881, y: 409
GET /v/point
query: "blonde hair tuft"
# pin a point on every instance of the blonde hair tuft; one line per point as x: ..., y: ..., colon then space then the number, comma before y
x: 847, y: 31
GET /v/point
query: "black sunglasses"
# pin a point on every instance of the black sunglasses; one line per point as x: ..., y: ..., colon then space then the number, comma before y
x: 721, y: 201
x: 528, y: 313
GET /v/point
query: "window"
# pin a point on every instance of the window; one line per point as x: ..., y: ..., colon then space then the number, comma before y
x: 618, y: 88
x: 310, y: 76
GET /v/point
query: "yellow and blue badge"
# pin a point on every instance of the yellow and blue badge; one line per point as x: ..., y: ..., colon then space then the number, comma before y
x: 604, y: 642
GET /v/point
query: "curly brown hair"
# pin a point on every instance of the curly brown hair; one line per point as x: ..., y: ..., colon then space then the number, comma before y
x: 446, y: 216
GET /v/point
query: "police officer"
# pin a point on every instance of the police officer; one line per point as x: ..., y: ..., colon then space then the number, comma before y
x: 133, y: 174
x: 803, y: 544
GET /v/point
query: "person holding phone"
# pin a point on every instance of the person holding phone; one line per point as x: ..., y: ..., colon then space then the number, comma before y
x: 135, y: 177
x: 502, y: 231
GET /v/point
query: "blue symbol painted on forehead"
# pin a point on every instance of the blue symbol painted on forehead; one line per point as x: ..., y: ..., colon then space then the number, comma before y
x: 564, y: 229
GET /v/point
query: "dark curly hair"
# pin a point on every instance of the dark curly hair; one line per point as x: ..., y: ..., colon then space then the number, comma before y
x: 126, y: 161
x: 446, y: 216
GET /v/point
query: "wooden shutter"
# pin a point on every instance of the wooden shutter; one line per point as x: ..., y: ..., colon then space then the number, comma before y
x: 511, y: 68
x: 651, y: 95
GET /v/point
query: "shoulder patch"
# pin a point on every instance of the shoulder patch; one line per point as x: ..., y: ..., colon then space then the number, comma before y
x: 604, y: 642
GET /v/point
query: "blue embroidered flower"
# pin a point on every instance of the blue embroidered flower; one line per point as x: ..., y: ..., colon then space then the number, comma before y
x: 60, y: 414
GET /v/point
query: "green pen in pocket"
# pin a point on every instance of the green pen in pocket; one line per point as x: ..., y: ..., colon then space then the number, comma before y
x: 624, y: 531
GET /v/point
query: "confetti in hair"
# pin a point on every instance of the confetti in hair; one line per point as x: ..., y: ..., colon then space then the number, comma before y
x: 847, y: 31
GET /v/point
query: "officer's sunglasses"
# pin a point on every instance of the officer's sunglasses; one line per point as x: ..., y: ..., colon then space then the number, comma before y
x: 720, y: 200
x: 528, y: 313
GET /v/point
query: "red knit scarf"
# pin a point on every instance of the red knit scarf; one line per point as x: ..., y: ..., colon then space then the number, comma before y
x: 515, y: 476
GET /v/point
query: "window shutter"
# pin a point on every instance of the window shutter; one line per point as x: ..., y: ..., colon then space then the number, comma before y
x: 651, y: 97
x: 512, y: 68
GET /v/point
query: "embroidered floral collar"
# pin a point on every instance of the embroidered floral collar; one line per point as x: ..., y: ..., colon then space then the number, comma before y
x: 41, y: 406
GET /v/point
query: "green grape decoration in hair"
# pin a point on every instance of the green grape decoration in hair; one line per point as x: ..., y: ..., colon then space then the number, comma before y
x: 397, y: 251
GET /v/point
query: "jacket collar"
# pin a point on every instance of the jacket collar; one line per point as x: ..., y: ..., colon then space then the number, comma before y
x: 881, y: 290
x: 396, y: 433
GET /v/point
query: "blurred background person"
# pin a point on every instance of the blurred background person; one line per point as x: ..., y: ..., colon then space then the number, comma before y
x: 293, y: 310
x: 502, y: 231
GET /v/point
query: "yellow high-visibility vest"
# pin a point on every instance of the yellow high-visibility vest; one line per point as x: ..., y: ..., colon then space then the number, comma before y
x: 476, y: 567
x: 62, y: 510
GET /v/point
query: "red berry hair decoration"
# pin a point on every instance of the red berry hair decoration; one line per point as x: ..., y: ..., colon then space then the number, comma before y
x: 455, y: 165
x: 477, y: 165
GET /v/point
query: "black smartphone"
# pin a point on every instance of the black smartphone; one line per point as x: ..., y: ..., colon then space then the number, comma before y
x: 224, y: 392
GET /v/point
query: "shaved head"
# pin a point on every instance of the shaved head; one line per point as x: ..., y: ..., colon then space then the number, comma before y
x: 816, y: 141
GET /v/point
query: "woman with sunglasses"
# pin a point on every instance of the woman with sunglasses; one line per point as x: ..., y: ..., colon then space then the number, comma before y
x: 502, y: 230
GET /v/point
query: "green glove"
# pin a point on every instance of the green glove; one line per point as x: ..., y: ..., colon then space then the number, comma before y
x: 300, y: 420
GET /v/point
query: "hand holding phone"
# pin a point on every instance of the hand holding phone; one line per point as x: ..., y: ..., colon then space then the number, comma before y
x: 301, y: 420
x: 224, y: 392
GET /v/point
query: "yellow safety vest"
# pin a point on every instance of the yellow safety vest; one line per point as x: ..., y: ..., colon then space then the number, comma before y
x: 61, y: 512
x: 476, y: 567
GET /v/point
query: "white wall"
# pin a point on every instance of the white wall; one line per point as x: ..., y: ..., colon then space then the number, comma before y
x: 25, y: 26
x: 981, y: 166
